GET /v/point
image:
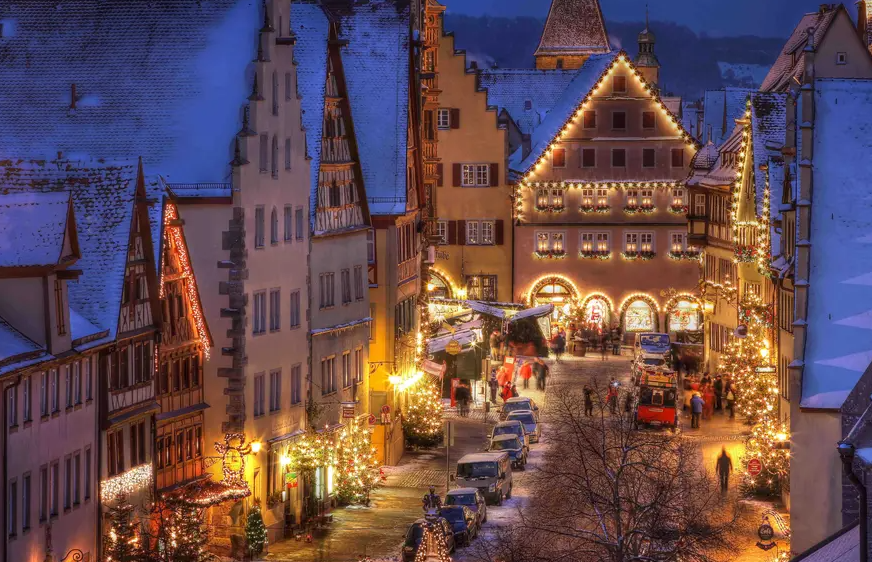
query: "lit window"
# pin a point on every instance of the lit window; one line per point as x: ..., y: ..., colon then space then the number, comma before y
x: 487, y: 232
x: 442, y: 231
x: 602, y: 242
x: 587, y: 197
x: 602, y: 197
x: 542, y: 242
x: 632, y: 198
x: 587, y: 241
x: 475, y: 175
x: 678, y: 242
x: 646, y: 242
x: 472, y: 232
x: 679, y: 197
x: 631, y: 242
x: 647, y: 197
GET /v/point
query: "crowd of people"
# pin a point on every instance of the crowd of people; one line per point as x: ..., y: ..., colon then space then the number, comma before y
x: 706, y: 395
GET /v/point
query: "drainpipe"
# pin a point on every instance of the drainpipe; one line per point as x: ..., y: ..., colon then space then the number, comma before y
x: 846, y: 453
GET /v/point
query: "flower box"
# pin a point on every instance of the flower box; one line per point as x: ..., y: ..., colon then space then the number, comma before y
x: 645, y: 256
x: 746, y: 254
x: 678, y: 209
x: 551, y: 209
x: 689, y: 256
x: 550, y: 255
x: 595, y: 255
x: 602, y: 209
x: 647, y: 210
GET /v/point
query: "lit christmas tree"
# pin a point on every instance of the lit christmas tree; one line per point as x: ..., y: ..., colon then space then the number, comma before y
x: 357, y: 469
x: 255, y: 531
x: 422, y: 420
x: 184, y: 537
x: 767, y: 444
x: 121, y: 543
x: 433, y: 547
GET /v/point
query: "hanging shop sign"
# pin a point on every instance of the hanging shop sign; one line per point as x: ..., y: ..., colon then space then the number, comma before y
x: 348, y: 410
x: 755, y: 467
x: 291, y: 480
x: 386, y: 415
x: 371, y: 419
x: 453, y: 347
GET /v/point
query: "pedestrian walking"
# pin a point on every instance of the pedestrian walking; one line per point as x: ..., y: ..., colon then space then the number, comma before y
x: 526, y: 374
x: 616, y: 342
x: 696, y: 404
x: 612, y: 396
x: 731, y: 399
x: 462, y: 395
x: 718, y: 386
x: 514, y: 390
x: 724, y: 468
x: 493, y: 385
x: 628, y: 402
x: 708, y: 397
x: 495, y: 344
x: 603, y: 346
x: 506, y: 393
x: 588, y: 401
x: 538, y: 368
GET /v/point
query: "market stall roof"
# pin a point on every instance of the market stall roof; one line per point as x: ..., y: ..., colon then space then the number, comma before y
x: 464, y: 337
x: 535, y: 312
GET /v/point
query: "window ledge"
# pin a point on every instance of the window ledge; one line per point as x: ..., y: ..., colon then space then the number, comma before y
x: 56, y: 414
x: 43, y: 418
x: 28, y: 423
x: 13, y: 428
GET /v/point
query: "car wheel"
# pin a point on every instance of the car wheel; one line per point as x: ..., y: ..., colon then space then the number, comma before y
x: 484, y: 519
x: 500, y: 499
x: 509, y: 495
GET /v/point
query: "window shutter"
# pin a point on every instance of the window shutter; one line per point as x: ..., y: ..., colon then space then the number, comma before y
x: 461, y: 233
x: 494, y: 175
x: 455, y: 175
x: 455, y: 118
x: 498, y: 232
x: 452, y: 233
x: 439, y: 173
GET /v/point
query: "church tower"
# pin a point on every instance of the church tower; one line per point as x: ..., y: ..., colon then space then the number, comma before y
x: 646, y: 60
x: 573, y: 31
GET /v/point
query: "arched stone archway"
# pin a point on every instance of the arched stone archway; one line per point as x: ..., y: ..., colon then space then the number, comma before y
x: 683, y: 314
x: 439, y: 286
x: 640, y: 313
x: 557, y: 290
x: 596, y: 311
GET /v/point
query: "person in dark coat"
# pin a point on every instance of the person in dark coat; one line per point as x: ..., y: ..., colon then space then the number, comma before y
x: 612, y: 396
x: 462, y: 395
x: 493, y: 385
x: 588, y: 400
x: 724, y: 468
x: 719, y: 392
x: 514, y: 390
x: 696, y: 405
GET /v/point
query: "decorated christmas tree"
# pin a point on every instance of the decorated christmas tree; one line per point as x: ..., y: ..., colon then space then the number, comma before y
x: 121, y: 542
x: 255, y: 531
x: 184, y: 536
x: 433, y: 547
x: 767, y: 446
x: 357, y: 469
x: 422, y: 420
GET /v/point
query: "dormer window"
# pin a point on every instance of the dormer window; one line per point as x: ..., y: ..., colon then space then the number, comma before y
x: 60, y: 307
x: 841, y: 58
x: 528, y: 105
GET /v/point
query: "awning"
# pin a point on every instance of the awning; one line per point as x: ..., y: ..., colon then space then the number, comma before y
x: 164, y: 416
x: 535, y: 312
x: 147, y: 407
x: 286, y: 436
x: 464, y: 338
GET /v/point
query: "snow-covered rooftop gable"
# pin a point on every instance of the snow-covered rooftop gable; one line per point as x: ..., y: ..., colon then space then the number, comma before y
x: 33, y: 228
x: 720, y: 111
x: 768, y: 135
x: 16, y: 347
x: 103, y: 201
x: 839, y: 341
x: 510, y: 90
x: 580, y: 86
x: 574, y: 27
x: 790, y: 63
x: 80, y: 327
x: 163, y: 80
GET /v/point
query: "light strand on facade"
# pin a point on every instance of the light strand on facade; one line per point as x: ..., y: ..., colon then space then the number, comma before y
x: 125, y: 483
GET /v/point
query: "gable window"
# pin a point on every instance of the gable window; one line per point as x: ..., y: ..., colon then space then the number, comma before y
x: 648, y: 119
x: 442, y: 231
x: 528, y: 105
x: 588, y: 157
x: 274, y: 227
x: 259, y: 324
x: 589, y: 119
x: 559, y: 64
x: 677, y: 157
x: 258, y: 227
x: 619, y: 158
x: 619, y: 84
x: 443, y: 118
x: 841, y: 58
x: 475, y: 175
x: 558, y: 158
x: 648, y: 155
x: 619, y: 120
x: 289, y: 232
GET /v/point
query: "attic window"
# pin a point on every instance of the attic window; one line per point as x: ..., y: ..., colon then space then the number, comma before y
x: 528, y: 105
x: 619, y: 84
x: 841, y: 58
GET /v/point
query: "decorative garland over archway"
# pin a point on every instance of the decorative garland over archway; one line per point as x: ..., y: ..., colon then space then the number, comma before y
x: 549, y: 280
x: 647, y: 299
x: 446, y: 281
x: 601, y: 297
x: 672, y: 305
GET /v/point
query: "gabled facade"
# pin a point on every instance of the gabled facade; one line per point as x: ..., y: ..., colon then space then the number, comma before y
x: 574, y: 30
x: 601, y: 206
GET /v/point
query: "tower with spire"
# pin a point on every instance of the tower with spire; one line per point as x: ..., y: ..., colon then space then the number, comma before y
x: 574, y: 30
x: 646, y: 60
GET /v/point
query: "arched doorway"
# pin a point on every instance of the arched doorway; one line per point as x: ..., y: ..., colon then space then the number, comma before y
x: 683, y: 315
x: 438, y: 287
x: 639, y: 314
x: 596, y: 312
x: 556, y: 290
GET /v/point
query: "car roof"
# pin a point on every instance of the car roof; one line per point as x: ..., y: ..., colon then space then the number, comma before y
x: 461, y: 491
x: 481, y: 457
x: 517, y: 399
x: 504, y: 437
x: 517, y: 412
x: 508, y: 423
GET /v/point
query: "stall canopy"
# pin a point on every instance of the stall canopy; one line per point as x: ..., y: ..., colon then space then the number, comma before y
x: 535, y: 312
x: 464, y: 337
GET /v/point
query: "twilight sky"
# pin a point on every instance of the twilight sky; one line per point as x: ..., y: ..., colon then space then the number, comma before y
x: 765, y: 18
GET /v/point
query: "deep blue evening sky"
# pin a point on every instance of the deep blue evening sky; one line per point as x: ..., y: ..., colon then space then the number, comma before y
x: 766, y: 18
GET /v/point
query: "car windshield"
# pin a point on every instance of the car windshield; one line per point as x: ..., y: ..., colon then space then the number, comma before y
x: 653, y: 361
x: 477, y: 469
x: 460, y: 499
x: 514, y: 406
x: 506, y: 430
x: 505, y: 445
x: 414, y: 536
x: 524, y: 417
x: 452, y: 515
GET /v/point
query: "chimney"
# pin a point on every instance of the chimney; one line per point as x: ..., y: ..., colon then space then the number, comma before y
x: 473, y: 65
x: 72, y: 97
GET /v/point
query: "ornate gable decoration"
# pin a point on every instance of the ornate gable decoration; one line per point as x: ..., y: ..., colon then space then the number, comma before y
x: 620, y: 59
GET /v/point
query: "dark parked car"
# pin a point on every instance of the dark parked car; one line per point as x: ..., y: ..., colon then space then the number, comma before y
x: 512, y: 427
x: 471, y: 498
x: 415, y: 535
x: 463, y: 521
x: 513, y: 446
x: 516, y: 404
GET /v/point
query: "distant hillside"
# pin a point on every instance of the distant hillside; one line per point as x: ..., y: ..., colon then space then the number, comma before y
x: 690, y: 63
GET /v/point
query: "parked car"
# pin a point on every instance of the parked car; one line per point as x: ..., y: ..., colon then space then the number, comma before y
x: 512, y: 445
x: 490, y: 473
x: 464, y: 523
x: 415, y: 535
x: 516, y: 404
x: 471, y: 498
x: 530, y: 421
x: 513, y: 427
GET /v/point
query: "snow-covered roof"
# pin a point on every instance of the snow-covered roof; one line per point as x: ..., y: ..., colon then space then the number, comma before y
x: 839, y: 341
x: 480, y: 457
x: 199, y: 190
x: 163, y: 80
x: 580, y: 86
x: 790, y: 63
x: 464, y: 338
x: 720, y: 110
x: 574, y: 27
x: 375, y: 62
x: 768, y: 135
x: 535, y: 312
x: 15, y: 347
x: 842, y: 546
x: 103, y: 200
x: 510, y: 89
x: 719, y: 173
x: 32, y: 228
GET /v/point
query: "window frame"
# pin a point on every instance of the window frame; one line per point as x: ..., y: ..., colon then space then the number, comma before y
x: 443, y: 124
x: 474, y: 175
x: 588, y: 123
x: 615, y: 114
x: 653, y: 153
x: 620, y: 79
x: 259, y: 226
x: 616, y: 151
x: 289, y: 223
x: 562, y: 158
x: 672, y: 157
x: 653, y: 118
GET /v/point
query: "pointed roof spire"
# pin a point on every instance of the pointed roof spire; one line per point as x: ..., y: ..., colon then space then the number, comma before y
x: 238, y: 160
x: 267, y: 24
x: 255, y: 92
x: 647, y: 26
x: 574, y: 27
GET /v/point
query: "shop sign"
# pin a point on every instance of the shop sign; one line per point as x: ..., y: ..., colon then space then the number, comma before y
x: 291, y: 480
x: 755, y: 467
x: 348, y: 410
x: 371, y: 419
x: 453, y: 347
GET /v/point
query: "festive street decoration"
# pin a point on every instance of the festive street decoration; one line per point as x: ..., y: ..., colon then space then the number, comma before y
x: 688, y: 255
x: 255, y: 531
x: 135, y: 479
x: 595, y: 255
x: 422, y: 422
x: 310, y: 452
x: 433, y: 547
x: 233, y: 452
x: 555, y: 279
x: 636, y: 209
x: 550, y: 208
x: 644, y: 256
x: 553, y: 255
x: 602, y: 209
x: 678, y: 209
x: 121, y: 543
x: 767, y: 444
x: 356, y: 464
x: 745, y: 254
x: 183, y: 535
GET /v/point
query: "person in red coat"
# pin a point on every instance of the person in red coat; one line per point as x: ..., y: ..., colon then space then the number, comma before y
x: 507, y: 392
x: 526, y: 373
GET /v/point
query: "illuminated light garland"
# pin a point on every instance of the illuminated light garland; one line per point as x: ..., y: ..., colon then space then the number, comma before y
x: 639, y: 296
x: 602, y: 209
x: 548, y: 280
x: 678, y: 209
x: 234, y: 445
x: 643, y: 256
x: 126, y: 483
x: 685, y: 255
x: 187, y: 277
x: 616, y: 185
x: 593, y: 255
x: 550, y: 208
x: 636, y: 209
x: 676, y: 299
x: 457, y: 292
x: 549, y: 255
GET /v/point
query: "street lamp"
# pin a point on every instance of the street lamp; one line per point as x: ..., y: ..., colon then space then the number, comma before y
x: 255, y: 447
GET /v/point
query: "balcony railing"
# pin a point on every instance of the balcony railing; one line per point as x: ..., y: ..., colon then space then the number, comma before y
x: 408, y: 269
